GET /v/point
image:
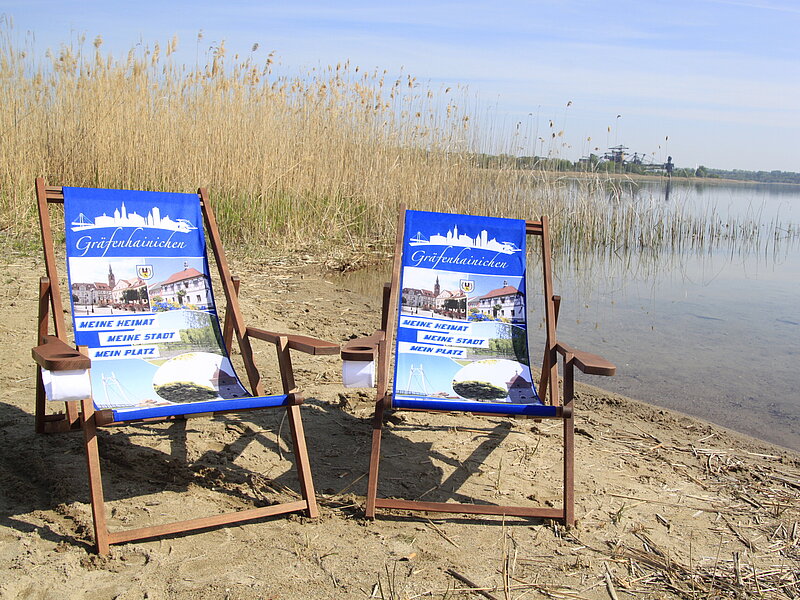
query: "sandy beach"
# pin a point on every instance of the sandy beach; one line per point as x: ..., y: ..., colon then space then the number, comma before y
x: 668, y: 506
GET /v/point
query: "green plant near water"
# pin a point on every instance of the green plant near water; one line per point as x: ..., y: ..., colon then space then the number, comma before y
x: 319, y: 160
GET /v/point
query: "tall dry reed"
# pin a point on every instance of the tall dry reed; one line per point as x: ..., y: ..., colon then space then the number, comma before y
x: 321, y: 159
x: 325, y: 156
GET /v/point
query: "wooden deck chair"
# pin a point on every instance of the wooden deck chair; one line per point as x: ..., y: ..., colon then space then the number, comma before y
x: 455, y: 317
x: 145, y: 326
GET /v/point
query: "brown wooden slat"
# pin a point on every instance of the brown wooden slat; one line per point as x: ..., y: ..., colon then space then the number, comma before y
x: 533, y: 227
x: 471, y: 509
x: 58, y: 423
x: 550, y: 318
x: 569, y: 446
x: 362, y: 349
x: 205, y: 522
x: 227, y: 330
x: 101, y: 537
x: 301, y: 460
x: 50, y: 260
x: 375, y: 458
x: 591, y: 364
x: 547, y: 353
x: 386, y: 345
x: 56, y: 355
x: 303, y: 343
x: 387, y: 296
x: 44, y: 309
x: 55, y: 193
x: 43, y: 328
x: 285, y: 364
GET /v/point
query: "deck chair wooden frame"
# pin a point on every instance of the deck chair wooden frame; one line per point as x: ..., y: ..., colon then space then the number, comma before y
x: 54, y: 353
x: 380, y: 345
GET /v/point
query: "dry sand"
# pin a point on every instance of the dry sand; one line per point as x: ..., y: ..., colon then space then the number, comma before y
x: 668, y: 506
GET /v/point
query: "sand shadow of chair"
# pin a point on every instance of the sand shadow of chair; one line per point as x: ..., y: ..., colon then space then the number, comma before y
x: 44, y: 489
x: 149, y: 344
x: 336, y: 440
x: 444, y: 457
x: 455, y: 321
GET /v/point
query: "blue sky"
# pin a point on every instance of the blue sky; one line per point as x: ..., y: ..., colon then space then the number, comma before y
x: 719, y: 78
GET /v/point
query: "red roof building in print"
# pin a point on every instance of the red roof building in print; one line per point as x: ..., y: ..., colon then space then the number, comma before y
x: 506, y: 302
x: 187, y: 273
x: 186, y: 287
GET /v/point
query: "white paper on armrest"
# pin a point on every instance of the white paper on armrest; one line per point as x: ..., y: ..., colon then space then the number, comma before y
x: 358, y: 373
x: 65, y: 386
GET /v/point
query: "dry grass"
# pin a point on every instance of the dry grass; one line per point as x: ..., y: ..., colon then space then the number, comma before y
x: 320, y: 159
x: 323, y: 156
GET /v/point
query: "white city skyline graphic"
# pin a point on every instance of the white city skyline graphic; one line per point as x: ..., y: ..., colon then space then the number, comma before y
x: 453, y: 238
x: 121, y: 218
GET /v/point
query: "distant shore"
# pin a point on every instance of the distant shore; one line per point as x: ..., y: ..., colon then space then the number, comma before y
x: 662, y: 178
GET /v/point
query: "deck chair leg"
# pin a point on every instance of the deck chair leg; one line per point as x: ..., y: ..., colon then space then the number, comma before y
x: 73, y: 414
x: 95, y: 478
x: 374, y: 459
x: 569, y: 471
x: 44, y: 319
x: 40, y: 402
x: 569, y: 446
x: 301, y: 458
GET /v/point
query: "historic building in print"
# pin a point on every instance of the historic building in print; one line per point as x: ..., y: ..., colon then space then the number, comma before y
x: 506, y: 302
x: 188, y: 286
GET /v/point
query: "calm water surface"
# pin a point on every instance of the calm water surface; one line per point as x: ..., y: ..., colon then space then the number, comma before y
x: 715, y: 333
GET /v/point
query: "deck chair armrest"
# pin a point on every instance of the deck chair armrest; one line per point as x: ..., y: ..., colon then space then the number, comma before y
x: 363, y: 349
x: 591, y: 364
x: 56, y: 355
x: 302, y: 343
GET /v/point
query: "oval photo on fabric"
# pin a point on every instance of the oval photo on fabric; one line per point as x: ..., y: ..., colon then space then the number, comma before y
x: 190, y: 377
x: 492, y: 380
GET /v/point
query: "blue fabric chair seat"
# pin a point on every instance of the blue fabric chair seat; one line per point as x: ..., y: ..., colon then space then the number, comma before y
x: 492, y: 408
x: 191, y: 408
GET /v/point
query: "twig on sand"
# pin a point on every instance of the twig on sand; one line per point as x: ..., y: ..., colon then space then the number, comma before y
x: 742, y: 538
x: 474, y: 587
x: 351, y: 484
x: 442, y: 533
x: 610, y: 584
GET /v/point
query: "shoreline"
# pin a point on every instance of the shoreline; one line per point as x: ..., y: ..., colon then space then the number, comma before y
x: 650, y: 483
x: 602, y: 176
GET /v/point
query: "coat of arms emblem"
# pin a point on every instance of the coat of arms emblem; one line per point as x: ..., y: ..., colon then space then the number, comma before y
x: 144, y: 272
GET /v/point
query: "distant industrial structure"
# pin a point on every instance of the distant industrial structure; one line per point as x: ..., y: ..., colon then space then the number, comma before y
x: 620, y: 155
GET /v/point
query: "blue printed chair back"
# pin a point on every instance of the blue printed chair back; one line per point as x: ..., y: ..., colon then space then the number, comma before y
x: 462, y: 336
x: 148, y: 343
x: 143, y: 305
x: 455, y: 319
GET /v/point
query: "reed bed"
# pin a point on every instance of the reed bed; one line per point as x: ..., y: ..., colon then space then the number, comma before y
x: 318, y: 160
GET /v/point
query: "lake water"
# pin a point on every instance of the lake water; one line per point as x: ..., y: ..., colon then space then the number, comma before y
x: 715, y: 334
x: 712, y: 333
